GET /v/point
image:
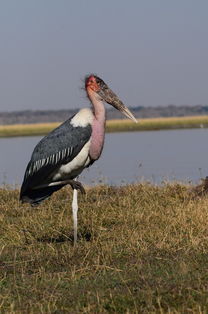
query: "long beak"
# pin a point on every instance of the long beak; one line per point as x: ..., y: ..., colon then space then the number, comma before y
x: 111, y: 98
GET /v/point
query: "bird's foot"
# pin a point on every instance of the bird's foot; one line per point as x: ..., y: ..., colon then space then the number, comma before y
x: 77, y: 186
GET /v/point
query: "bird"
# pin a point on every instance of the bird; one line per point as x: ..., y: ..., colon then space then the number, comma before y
x: 59, y: 158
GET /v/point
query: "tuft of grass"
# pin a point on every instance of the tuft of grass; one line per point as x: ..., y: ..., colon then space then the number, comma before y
x: 141, y: 249
x: 112, y: 126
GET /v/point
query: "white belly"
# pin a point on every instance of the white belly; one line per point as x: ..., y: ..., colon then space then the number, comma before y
x: 74, y: 167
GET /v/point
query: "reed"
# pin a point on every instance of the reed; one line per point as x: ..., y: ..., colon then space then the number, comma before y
x: 112, y: 126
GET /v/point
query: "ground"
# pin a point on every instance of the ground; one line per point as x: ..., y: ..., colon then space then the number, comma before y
x: 141, y: 249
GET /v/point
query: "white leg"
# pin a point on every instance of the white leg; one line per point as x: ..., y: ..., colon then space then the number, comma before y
x: 74, y: 211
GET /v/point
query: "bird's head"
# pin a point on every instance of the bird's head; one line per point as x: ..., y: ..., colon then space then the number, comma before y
x: 95, y: 85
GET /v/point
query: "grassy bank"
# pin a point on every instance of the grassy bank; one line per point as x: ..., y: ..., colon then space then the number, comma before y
x: 141, y: 249
x: 112, y: 126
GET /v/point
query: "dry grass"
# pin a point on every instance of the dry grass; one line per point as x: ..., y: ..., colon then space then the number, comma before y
x: 158, y: 124
x: 26, y: 129
x: 141, y: 248
x: 112, y: 126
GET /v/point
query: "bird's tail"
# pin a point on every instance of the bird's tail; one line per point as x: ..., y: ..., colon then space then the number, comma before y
x: 36, y: 196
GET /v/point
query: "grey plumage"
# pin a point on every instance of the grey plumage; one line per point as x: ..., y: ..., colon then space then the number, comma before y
x: 59, y: 147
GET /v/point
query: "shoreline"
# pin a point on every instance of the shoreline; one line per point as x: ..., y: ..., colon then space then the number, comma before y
x: 153, y: 124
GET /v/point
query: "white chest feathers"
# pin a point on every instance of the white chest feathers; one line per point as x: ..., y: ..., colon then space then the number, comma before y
x: 82, y: 118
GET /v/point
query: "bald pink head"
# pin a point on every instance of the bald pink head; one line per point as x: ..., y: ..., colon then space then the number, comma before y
x: 95, y: 84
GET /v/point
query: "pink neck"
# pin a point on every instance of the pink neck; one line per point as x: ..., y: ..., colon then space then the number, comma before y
x: 98, y: 125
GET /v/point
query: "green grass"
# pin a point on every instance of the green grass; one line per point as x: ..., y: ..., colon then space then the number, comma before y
x: 111, y: 126
x: 141, y: 249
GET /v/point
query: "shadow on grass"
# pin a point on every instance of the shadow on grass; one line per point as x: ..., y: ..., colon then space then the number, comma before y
x: 85, y: 235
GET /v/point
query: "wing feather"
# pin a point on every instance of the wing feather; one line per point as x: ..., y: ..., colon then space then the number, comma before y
x: 59, y: 147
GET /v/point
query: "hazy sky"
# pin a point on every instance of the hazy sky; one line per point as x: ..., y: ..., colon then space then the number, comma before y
x: 150, y: 52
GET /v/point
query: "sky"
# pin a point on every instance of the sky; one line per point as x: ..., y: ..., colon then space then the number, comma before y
x: 150, y: 52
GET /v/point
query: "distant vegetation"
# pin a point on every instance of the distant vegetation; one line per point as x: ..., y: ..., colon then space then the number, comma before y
x: 141, y: 249
x: 111, y: 126
x: 42, y: 116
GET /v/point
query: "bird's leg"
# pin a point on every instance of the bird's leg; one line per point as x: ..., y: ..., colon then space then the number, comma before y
x: 74, y: 211
x: 76, y: 185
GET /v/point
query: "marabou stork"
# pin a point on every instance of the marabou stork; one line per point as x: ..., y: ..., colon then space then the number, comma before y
x: 65, y: 152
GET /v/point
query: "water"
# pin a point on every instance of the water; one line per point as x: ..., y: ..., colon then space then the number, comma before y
x: 154, y: 156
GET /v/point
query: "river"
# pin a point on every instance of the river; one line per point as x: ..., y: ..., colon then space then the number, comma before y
x: 127, y: 157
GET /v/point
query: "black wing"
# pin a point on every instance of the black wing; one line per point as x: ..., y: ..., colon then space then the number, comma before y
x: 59, y: 147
